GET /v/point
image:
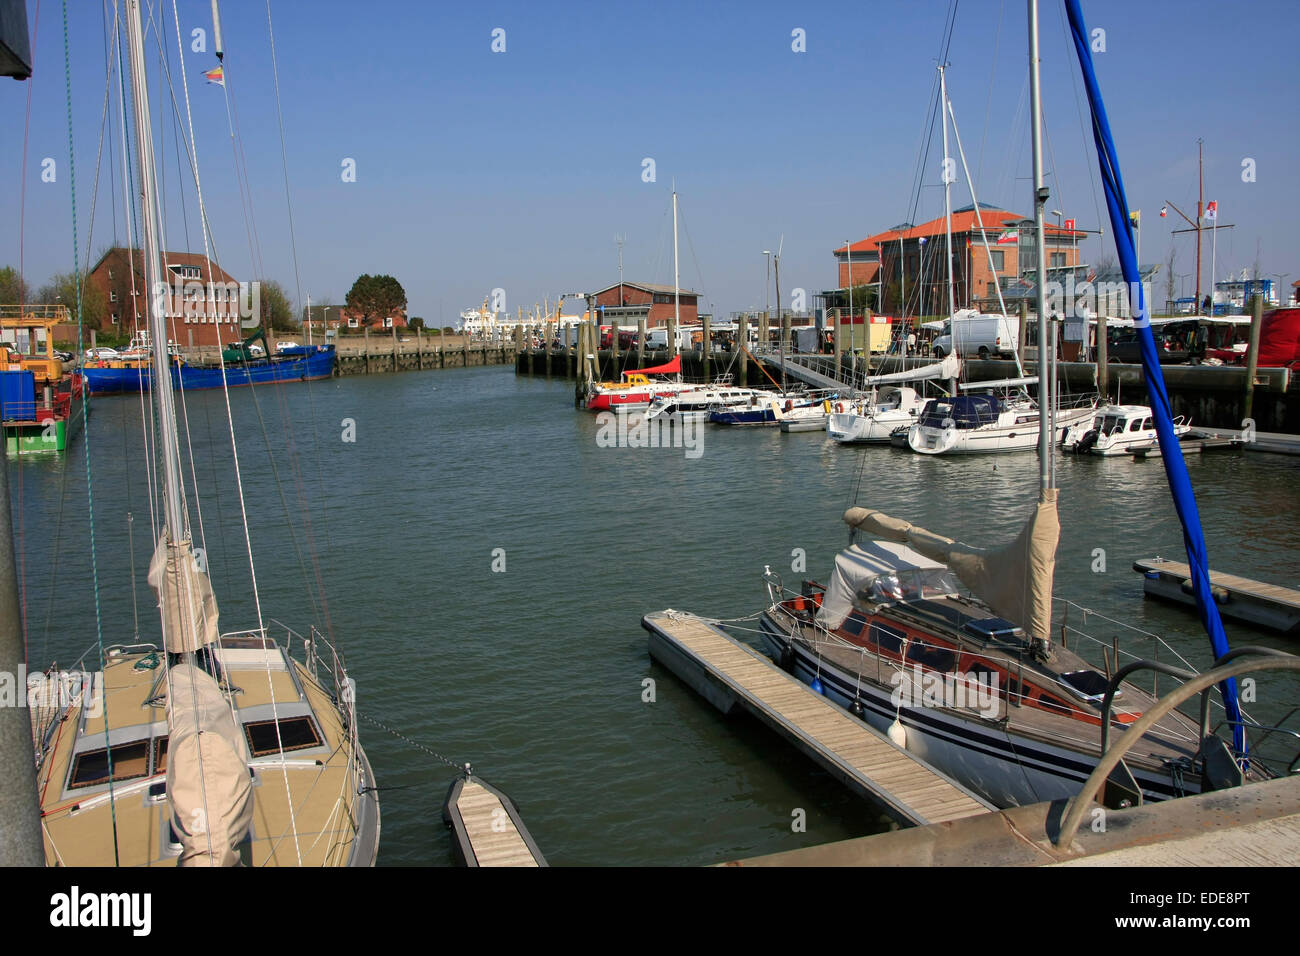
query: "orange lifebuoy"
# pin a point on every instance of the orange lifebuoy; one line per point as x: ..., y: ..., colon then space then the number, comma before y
x: 788, y: 404
x: 839, y: 407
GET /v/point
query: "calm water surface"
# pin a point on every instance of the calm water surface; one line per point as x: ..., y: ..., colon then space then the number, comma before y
x: 535, y: 674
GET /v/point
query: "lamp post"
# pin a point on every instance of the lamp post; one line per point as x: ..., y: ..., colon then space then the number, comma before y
x: 848, y: 248
x: 920, y: 310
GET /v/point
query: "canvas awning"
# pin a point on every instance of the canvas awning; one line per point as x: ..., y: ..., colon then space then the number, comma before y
x: 189, y: 608
x: 856, y: 566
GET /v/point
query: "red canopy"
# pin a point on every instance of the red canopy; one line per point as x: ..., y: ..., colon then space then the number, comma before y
x: 672, y: 368
x: 1279, y: 339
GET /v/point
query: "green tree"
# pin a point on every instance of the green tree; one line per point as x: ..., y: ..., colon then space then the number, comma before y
x: 276, y: 309
x: 13, y: 289
x: 375, y: 297
x: 416, y: 323
x: 62, y: 290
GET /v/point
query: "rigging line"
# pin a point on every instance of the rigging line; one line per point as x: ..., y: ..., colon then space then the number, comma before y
x: 90, y: 497
x: 1078, y: 106
x: 988, y: 103
x: 284, y: 155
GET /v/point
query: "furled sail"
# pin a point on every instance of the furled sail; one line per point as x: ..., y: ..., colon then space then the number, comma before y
x: 949, y: 367
x: 1015, y: 581
x: 208, y: 782
x: 189, y: 608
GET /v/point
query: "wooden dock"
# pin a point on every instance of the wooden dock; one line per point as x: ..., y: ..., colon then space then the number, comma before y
x: 1243, y: 599
x: 486, y: 827
x: 1189, y: 446
x: 727, y: 673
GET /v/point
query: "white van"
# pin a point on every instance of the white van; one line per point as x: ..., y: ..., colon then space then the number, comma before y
x: 971, y: 334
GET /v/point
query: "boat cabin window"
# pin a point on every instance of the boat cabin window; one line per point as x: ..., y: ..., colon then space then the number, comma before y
x: 130, y: 760
x: 1146, y: 424
x: 887, y: 638
x: 1135, y: 425
x: 928, y: 655
x: 296, y: 733
x: 1109, y: 424
x: 908, y: 585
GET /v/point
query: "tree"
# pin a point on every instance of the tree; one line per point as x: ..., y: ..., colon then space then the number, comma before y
x: 275, y: 307
x: 13, y: 290
x: 416, y: 323
x: 62, y: 290
x: 375, y: 297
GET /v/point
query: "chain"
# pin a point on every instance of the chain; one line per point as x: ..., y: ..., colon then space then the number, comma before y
x: 417, y: 745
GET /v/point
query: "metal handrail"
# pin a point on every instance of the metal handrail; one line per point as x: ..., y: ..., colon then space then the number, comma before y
x: 1113, y: 687
x: 1080, y: 802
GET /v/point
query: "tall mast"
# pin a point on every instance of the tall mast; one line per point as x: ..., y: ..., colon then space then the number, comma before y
x: 677, y: 279
x: 157, y: 288
x: 1200, y: 211
x: 947, y: 186
x: 1046, y: 476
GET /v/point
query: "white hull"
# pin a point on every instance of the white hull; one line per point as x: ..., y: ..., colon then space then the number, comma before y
x: 1018, y: 433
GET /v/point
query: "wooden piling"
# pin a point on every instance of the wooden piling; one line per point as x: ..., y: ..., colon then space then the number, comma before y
x: 837, y: 324
x: 366, y: 334
x: 1252, y: 356
x: 742, y: 343
x: 763, y: 340
x: 672, y: 338
x: 707, y: 345
x: 640, y: 343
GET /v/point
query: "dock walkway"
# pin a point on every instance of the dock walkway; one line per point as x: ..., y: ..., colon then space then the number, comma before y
x: 1243, y: 599
x: 486, y: 827
x: 728, y: 672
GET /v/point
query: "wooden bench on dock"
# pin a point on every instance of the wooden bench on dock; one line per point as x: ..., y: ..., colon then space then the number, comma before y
x: 727, y: 672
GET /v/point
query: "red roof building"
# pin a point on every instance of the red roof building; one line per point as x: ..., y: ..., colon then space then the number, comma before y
x: 910, y: 256
x: 626, y: 302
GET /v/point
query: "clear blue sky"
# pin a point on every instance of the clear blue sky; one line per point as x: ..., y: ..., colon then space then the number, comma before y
x: 478, y: 169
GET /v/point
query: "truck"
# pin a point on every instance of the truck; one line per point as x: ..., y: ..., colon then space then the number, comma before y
x: 972, y: 334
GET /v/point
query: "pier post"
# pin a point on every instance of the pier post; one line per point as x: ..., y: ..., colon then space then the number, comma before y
x: 548, y: 330
x: 640, y: 343
x: 464, y: 350
x: 615, y: 364
x: 419, y: 349
x: 395, y: 365
x: 672, y: 339
x: 837, y: 323
x: 1103, y: 360
x: 1020, y: 333
x: 707, y: 343
x: 1252, y: 356
x: 366, y: 334
x: 763, y: 340
x: 742, y: 343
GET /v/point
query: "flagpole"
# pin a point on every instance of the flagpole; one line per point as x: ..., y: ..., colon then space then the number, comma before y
x: 1214, y: 252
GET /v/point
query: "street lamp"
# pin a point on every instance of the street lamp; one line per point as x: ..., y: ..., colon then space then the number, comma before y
x: 921, y: 285
x: 848, y: 249
x: 767, y: 285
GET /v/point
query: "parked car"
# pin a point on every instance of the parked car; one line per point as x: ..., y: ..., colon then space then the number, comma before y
x: 283, y: 346
x: 101, y: 353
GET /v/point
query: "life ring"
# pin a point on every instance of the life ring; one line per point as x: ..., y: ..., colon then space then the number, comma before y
x: 788, y: 404
x: 839, y: 407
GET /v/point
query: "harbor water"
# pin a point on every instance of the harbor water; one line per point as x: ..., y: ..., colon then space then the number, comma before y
x: 485, y: 559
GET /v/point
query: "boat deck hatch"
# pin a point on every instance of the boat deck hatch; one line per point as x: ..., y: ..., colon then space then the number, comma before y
x: 1090, y: 685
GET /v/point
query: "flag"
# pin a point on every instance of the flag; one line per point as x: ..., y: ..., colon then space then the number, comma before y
x: 1011, y: 235
x: 1212, y: 210
x: 1164, y: 211
x: 217, y: 76
x: 1135, y: 217
x: 1069, y: 224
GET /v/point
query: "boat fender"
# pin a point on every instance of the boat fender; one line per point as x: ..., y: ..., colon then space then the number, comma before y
x: 787, y: 659
x: 856, y: 709
x: 898, y: 733
x: 817, y: 685
x: 788, y: 404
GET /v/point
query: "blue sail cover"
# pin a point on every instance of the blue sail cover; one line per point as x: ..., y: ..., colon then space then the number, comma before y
x: 1175, y: 467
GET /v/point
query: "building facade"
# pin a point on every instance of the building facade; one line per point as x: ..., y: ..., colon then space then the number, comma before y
x: 204, y: 303
x: 908, y: 264
x: 627, y: 302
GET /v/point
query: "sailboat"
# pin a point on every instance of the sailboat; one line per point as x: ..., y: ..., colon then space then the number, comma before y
x: 887, y: 407
x: 210, y: 748
x: 949, y: 648
x: 997, y: 416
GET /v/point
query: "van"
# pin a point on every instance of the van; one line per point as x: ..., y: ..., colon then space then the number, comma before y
x: 971, y: 334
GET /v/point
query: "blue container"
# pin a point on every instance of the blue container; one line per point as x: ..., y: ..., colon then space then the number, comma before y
x: 17, y: 396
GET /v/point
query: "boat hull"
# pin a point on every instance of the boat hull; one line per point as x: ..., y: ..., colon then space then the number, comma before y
x: 1006, y: 768
x: 317, y: 365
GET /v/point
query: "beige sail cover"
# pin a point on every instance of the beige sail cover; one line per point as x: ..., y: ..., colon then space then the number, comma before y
x: 208, y: 781
x: 1015, y: 581
x: 189, y: 608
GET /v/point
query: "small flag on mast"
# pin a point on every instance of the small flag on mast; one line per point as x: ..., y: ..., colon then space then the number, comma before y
x: 1135, y: 217
x: 1010, y: 235
x: 1069, y: 224
x: 1212, y: 209
x: 216, y: 75
x: 1164, y: 211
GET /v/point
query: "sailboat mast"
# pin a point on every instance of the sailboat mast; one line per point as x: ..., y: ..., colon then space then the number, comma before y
x: 1200, y: 212
x: 677, y: 278
x: 947, y: 185
x: 1046, y: 469
x: 158, y: 287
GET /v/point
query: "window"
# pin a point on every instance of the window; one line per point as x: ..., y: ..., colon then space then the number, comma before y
x: 296, y: 733
x: 887, y: 638
x: 112, y: 295
x: 1058, y: 259
x: 130, y: 761
x: 1135, y: 425
x: 998, y: 259
x: 936, y: 658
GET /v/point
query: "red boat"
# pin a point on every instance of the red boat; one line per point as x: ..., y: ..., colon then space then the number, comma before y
x: 638, y: 388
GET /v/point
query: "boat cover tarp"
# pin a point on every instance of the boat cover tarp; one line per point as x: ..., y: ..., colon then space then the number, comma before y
x: 669, y: 368
x: 964, y: 411
x: 1015, y: 581
x: 859, y: 564
x: 189, y: 608
x: 208, y: 783
x: 1279, y: 339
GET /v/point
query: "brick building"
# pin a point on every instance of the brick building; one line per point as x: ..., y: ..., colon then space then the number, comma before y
x: 203, y: 301
x: 626, y: 302
x: 899, y: 260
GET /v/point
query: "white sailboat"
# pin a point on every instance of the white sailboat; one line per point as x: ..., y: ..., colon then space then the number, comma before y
x: 209, y: 748
x: 888, y: 406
